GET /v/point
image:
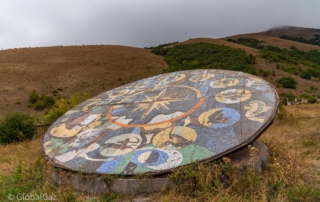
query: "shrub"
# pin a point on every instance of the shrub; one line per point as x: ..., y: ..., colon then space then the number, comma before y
x: 40, y: 102
x: 313, y: 88
x: 33, y: 97
x: 48, y: 100
x: 59, y: 109
x: 62, y: 106
x: 287, y: 82
x: 306, y: 74
x: 160, y: 51
x: 292, y: 69
x: 17, y: 126
x: 284, y: 97
x: 264, y: 73
x: 310, y: 98
x: 39, y: 105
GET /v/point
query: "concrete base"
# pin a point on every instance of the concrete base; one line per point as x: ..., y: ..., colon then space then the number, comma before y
x: 254, y: 156
x: 97, y: 185
x: 245, y: 158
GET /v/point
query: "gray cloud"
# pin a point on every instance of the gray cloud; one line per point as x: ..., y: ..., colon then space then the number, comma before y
x: 140, y: 23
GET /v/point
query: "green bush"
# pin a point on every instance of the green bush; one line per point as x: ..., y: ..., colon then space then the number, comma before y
x: 251, y: 42
x: 58, y: 110
x: 309, y: 72
x: 292, y: 69
x: 287, y: 82
x: 310, y: 98
x: 264, y: 73
x: 284, y: 97
x: 160, y: 51
x: 62, y: 106
x: 313, y: 88
x: 40, y: 102
x: 305, y: 74
x: 48, y: 100
x: 33, y: 97
x: 39, y: 105
x: 17, y: 126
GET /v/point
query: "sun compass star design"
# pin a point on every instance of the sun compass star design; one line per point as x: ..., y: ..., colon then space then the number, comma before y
x: 151, y: 103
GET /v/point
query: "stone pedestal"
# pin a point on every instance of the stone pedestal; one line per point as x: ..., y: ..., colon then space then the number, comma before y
x: 256, y: 155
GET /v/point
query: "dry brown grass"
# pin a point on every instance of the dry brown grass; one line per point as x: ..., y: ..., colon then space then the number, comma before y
x: 299, y: 138
x: 27, y: 151
x: 304, y: 110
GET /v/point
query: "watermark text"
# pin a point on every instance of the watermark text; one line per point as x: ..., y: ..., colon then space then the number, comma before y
x: 32, y: 197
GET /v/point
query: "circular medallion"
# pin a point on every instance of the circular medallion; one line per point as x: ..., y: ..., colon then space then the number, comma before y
x: 162, y: 122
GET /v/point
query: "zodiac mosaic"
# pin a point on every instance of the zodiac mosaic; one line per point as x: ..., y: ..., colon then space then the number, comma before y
x: 162, y: 122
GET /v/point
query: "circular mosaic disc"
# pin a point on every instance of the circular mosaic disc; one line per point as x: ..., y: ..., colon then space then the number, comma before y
x: 163, y: 122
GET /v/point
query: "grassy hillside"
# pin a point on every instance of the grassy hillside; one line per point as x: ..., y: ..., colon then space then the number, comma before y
x: 90, y: 69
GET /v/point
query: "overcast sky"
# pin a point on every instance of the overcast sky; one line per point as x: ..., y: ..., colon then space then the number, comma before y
x: 140, y: 23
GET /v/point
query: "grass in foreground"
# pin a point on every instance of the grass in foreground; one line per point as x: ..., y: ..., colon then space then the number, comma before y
x: 292, y: 173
